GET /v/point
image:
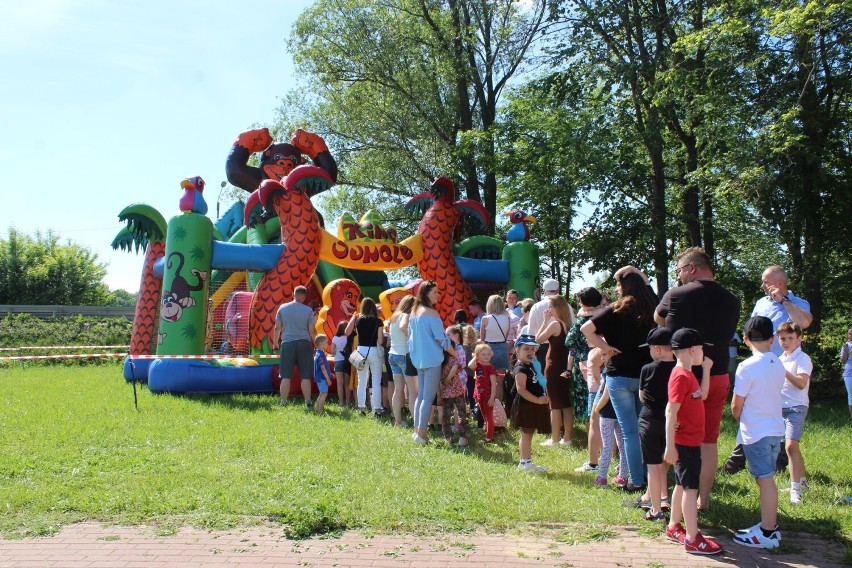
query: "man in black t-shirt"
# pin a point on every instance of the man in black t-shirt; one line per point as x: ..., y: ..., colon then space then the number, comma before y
x: 703, y: 304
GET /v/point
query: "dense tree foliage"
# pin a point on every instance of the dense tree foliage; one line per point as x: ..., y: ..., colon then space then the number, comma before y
x: 662, y: 125
x: 41, y: 270
x: 406, y: 90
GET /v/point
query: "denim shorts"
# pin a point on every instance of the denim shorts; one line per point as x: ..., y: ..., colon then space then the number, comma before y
x: 761, y: 456
x: 397, y: 364
x: 794, y: 422
x: 500, y: 357
x: 322, y: 385
x: 591, y: 402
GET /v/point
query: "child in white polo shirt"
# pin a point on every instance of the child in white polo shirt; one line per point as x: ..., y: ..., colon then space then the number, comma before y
x: 794, y: 398
x: 757, y: 408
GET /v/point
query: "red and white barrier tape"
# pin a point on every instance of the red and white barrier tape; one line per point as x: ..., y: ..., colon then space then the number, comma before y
x: 97, y: 355
x: 77, y: 356
x: 65, y: 347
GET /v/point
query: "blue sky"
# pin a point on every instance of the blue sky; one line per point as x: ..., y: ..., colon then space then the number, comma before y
x: 105, y: 103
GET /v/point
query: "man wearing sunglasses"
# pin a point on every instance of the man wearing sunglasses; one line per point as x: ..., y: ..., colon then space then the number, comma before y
x: 703, y: 304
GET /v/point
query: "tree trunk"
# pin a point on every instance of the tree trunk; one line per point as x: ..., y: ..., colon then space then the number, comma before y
x: 658, y: 207
x: 707, y: 223
x: 808, y: 159
x: 466, y: 157
x: 690, y: 198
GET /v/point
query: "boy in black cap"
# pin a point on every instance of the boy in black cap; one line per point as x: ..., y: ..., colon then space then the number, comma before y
x: 653, y: 392
x: 684, y: 433
x: 757, y: 407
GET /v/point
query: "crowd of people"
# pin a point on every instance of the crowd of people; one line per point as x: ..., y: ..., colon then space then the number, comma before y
x: 648, y: 376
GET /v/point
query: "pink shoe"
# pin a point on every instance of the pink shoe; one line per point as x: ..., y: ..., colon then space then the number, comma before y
x: 600, y: 481
x: 620, y: 481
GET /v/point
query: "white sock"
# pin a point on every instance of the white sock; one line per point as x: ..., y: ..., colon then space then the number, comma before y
x: 524, y: 462
x: 796, y: 487
x: 803, y: 481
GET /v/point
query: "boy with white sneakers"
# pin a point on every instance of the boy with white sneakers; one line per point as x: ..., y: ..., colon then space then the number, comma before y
x: 794, y: 398
x: 757, y: 408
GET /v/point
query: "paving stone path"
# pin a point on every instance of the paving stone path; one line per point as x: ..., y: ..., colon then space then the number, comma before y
x: 96, y: 545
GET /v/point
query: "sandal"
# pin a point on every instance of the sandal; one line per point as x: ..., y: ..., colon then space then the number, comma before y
x: 650, y: 515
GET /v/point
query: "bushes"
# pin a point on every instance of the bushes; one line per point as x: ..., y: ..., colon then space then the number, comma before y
x: 24, y: 330
x: 824, y: 350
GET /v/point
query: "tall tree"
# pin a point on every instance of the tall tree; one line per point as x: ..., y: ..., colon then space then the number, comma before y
x: 793, y: 67
x: 627, y: 45
x: 409, y: 89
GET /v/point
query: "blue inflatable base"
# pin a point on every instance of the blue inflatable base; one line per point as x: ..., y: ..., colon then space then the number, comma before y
x: 136, y: 369
x: 184, y: 377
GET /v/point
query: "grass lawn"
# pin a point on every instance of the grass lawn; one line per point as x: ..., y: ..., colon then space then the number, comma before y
x: 74, y: 448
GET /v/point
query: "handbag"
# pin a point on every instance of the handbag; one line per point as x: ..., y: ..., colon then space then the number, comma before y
x: 357, y: 360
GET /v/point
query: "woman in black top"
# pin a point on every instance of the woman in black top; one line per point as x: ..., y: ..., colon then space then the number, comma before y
x: 618, y: 330
x: 368, y: 328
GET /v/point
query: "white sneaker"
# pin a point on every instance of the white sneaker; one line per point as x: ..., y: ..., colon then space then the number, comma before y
x: 565, y: 443
x: 753, y: 538
x: 530, y: 467
x: 586, y: 468
x: 419, y: 441
x: 795, y: 496
x: 757, y: 528
x: 549, y: 443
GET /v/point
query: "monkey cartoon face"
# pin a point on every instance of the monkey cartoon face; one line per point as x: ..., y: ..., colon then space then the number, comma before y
x: 171, y: 310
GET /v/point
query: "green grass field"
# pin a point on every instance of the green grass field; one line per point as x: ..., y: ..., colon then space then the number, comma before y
x: 74, y: 448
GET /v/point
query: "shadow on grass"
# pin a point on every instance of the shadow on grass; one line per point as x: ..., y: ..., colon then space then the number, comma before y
x: 263, y: 402
x: 250, y: 402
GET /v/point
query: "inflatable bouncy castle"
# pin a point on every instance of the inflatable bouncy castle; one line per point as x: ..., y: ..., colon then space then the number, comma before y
x: 209, y: 293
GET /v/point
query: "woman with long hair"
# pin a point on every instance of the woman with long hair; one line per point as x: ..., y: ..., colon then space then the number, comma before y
x: 426, y: 341
x: 402, y: 378
x: 494, y: 330
x: 557, y: 321
x: 618, y: 330
x: 368, y: 328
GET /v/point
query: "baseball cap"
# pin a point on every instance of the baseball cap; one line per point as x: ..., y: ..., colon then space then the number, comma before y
x: 686, y: 337
x: 759, y: 328
x: 525, y: 340
x: 550, y: 285
x: 658, y: 336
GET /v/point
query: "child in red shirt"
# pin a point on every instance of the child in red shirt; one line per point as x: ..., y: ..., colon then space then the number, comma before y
x: 684, y: 433
x: 485, y: 386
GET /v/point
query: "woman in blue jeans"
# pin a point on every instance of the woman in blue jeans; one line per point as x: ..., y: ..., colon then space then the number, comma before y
x: 425, y: 346
x: 619, y: 330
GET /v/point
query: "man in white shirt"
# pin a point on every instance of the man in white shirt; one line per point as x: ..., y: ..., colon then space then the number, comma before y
x: 549, y: 288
